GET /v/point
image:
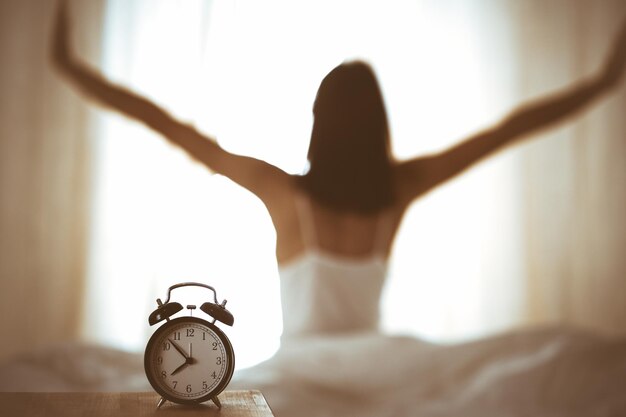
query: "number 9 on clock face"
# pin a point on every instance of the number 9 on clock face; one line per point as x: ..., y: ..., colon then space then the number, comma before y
x: 189, y: 360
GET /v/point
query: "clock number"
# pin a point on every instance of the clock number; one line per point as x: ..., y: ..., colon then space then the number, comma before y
x: 160, y: 360
x: 214, y: 345
x: 176, y: 335
x: 188, y: 389
x: 203, y: 336
x: 166, y: 346
x: 163, y: 374
x: 219, y: 360
x: 190, y: 332
x: 175, y: 383
x: 214, y: 375
x: 205, y: 385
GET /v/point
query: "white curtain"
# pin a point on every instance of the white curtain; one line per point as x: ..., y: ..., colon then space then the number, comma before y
x: 574, y: 179
x: 45, y: 176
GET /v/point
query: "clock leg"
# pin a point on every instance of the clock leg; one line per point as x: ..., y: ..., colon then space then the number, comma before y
x: 217, y: 402
x: 161, y: 402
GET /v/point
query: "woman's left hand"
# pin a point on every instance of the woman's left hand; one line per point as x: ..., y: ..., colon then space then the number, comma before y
x: 60, y: 36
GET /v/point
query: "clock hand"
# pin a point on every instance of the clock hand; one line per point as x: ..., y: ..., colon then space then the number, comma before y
x: 180, y: 368
x: 179, y: 349
x: 191, y: 360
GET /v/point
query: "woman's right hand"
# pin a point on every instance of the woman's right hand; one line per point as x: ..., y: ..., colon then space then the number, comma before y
x: 615, y: 65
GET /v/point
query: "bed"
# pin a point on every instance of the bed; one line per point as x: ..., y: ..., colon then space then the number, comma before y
x: 555, y: 371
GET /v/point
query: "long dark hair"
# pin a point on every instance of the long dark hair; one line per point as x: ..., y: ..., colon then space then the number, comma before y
x: 349, y: 154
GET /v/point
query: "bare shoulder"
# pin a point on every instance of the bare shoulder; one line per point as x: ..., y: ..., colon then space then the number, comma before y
x: 281, y: 203
x: 273, y: 186
x: 412, y: 179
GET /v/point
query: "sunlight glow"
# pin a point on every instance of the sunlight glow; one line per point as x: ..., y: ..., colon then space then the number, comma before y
x: 247, y: 72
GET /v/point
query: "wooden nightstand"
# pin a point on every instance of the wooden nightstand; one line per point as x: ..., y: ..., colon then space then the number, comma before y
x: 127, y: 404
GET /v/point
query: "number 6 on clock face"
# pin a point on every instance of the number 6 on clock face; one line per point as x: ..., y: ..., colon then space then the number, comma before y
x: 189, y: 360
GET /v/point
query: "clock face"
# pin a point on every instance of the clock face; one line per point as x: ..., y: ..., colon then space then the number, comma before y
x: 189, y: 360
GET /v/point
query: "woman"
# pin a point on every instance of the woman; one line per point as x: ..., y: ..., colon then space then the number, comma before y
x: 335, y: 225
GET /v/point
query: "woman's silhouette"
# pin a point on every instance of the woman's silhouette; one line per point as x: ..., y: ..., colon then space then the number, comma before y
x: 335, y: 225
x: 352, y: 177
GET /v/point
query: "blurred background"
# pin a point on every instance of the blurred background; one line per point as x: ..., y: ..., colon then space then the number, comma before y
x: 99, y: 216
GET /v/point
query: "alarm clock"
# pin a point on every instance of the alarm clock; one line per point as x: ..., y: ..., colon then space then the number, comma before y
x: 189, y: 360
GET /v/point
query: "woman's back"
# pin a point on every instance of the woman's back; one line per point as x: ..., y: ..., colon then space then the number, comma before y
x: 334, y: 283
x: 304, y: 225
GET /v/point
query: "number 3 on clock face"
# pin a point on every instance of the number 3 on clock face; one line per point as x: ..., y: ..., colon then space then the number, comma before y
x: 189, y: 360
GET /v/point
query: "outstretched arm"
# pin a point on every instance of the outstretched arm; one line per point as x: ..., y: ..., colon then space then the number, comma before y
x: 423, y: 174
x: 249, y: 172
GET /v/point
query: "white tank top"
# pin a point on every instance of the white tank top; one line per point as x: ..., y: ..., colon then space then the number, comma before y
x: 323, y: 293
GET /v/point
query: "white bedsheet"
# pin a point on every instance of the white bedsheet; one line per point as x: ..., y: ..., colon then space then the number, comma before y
x: 542, y: 372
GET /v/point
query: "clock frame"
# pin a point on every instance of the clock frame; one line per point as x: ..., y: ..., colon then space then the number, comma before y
x: 189, y: 360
